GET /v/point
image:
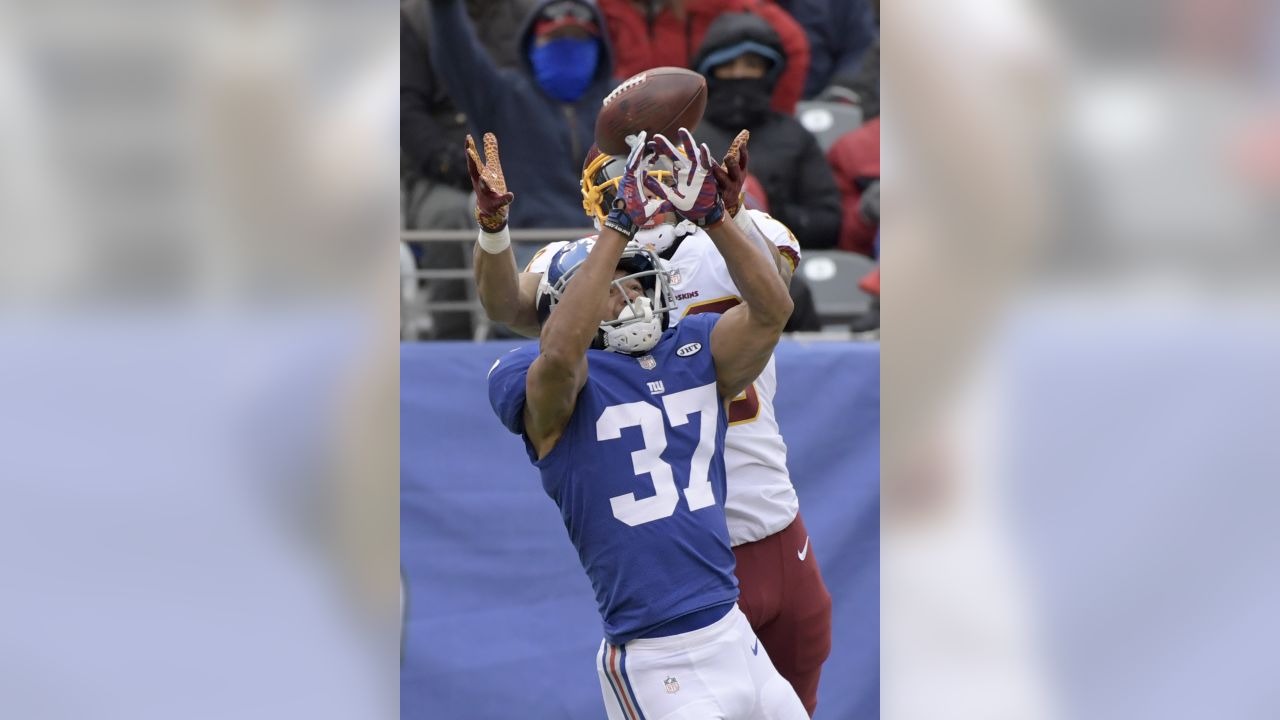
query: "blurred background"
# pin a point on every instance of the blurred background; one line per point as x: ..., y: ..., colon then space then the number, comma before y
x: 198, y: 366
x: 1078, y: 388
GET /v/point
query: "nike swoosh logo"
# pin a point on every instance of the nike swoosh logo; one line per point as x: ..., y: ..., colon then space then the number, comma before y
x: 755, y: 649
x: 803, y: 553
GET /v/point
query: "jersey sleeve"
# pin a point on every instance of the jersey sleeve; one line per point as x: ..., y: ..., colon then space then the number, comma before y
x: 778, y: 234
x: 542, y: 259
x: 507, y: 388
x: 695, y: 330
x: 697, y: 327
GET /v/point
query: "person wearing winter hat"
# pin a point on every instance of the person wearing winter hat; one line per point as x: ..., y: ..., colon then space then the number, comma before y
x: 565, y: 50
x: 547, y: 106
x: 742, y: 59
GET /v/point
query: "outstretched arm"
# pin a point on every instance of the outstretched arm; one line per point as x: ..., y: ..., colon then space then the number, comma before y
x: 471, y: 76
x: 560, y: 370
x: 744, y: 337
x: 506, y: 296
x: 730, y: 177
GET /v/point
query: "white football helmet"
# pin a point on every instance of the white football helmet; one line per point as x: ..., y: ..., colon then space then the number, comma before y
x: 641, y: 322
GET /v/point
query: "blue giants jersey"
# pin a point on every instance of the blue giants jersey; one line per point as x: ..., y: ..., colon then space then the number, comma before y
x: 639, y: 477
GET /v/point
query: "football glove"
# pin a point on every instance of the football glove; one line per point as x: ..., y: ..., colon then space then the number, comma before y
x: 694, y: 195
x: 632, y: 208
x: 492, y: 198
x: 733, y: 173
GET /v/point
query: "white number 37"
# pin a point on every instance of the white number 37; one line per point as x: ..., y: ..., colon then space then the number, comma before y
x: 679, y: 406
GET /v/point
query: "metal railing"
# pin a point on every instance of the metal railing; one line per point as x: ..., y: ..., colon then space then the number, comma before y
x: 416, y: 305
x: 417, y: 308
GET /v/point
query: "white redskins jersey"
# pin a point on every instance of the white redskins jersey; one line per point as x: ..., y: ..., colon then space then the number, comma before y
x: 761, y: 500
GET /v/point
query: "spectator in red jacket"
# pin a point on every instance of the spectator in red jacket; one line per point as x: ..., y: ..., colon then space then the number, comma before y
x: 855, y: 160
x: 653, y: 33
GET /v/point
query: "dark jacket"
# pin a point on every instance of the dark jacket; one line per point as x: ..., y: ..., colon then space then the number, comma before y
x: 542, y: 140
x: 839, y: 31
x: 784, y: 156
x: 432, y: 127
x: 863, y: 78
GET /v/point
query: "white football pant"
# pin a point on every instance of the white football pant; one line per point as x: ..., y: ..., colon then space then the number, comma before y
x: 719, y: 672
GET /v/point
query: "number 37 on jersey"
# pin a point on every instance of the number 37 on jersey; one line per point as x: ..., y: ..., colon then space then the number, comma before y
x: 702, y: 401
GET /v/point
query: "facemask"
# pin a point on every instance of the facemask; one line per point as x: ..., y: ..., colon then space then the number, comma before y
x: 738, y: 103
x: 639, y: 333
x: 564, y: 68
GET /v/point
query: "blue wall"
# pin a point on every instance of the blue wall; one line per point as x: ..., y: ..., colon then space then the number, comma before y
x: 501, y: 621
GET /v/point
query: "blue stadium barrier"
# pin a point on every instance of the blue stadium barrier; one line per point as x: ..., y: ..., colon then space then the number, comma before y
x: 500, y: 619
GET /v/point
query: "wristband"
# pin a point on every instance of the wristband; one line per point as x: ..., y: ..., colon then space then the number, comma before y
x: 494, y: 243
x: 713, y: 217
x: 748, y: 226
x: 620, y: 221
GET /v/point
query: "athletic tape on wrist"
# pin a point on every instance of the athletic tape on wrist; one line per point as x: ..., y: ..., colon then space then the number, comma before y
x: 494, y: 243
x: 749, y: 228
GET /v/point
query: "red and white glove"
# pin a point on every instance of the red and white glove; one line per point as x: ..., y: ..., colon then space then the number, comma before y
x: 632, y: 208
x: 732, y: 175
x: 492, y: 198
x: 695, y: 196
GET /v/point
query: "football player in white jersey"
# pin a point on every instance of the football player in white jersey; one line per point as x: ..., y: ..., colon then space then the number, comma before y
x: 783, y: 594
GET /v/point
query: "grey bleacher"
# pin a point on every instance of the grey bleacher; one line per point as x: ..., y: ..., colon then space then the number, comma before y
x: 828, y: 120
x: 833, y: 277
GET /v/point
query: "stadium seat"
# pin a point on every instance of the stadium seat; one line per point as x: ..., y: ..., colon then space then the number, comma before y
x: 833, y: 277
x: 828, y: 120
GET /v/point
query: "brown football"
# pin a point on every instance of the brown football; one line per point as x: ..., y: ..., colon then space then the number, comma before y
x: 660, y: 100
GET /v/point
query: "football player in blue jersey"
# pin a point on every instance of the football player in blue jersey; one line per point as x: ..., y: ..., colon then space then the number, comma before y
x: 625, y: 419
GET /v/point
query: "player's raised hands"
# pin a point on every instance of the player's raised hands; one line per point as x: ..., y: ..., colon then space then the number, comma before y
x: 733, y: 173
x: 633, y: 209
x: 695, y: 194
x: 492, y: 198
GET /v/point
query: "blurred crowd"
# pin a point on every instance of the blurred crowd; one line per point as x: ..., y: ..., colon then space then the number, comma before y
x: 801, y: 75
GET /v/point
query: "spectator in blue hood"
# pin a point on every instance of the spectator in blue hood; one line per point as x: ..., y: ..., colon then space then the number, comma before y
x: 566, y: 50
x: 544, y: 113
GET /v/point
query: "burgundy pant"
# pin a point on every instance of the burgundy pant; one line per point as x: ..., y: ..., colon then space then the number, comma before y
x: 783, y: 596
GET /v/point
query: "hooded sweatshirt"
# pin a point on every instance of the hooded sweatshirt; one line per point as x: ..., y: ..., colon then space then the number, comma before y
x: 542, y: 141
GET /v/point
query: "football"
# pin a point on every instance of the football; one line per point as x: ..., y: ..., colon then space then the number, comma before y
x: 661, y: 100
